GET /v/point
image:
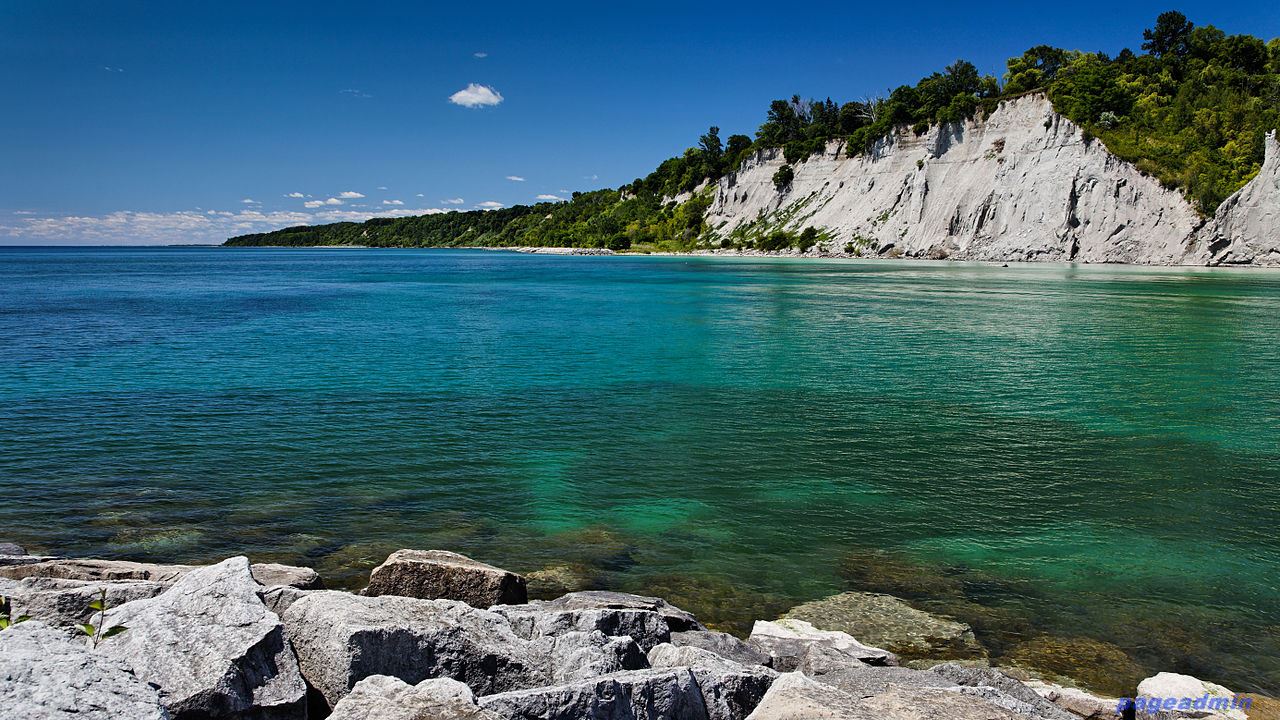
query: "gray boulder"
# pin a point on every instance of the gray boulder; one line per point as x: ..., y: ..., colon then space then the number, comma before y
x: 730, y: 690
x: 887, y: 622
x: 1075, y: 701
x: 1214, y: 701
x: 786, y: 641
x: 381, y: 697
x: 46, y: 675
x: 665, y: 694
x: 95, y: 570
x: 439, y: 574
x: 580, y: 655
x: 211, y: 646
x: 794, y: 696
x: 280, y: 597
x: 66, y: 602
x: 343, y: 638
x: 722, y: 644
x: 545, y: 619
x: 677, y: 620
x: 859, y: 679
x: 797, y: 697
x: 1007, y: 692
x: 12, y: 549
x: 276, y: 575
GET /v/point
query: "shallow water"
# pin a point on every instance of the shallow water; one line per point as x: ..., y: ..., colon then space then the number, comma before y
x: 1054, y: 454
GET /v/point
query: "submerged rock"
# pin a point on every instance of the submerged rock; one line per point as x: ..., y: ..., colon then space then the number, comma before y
x: 381, y: 697
x: 787, y: 640
x: 722, y: 644
x: 211, y: 646
x: 44, y: 674
x: 342, y: 638
x: 556, y: 580
x: 439, y: 574
x: 663, y: 694
x: 1093, y: 664
x: 12, y: 549
x: 886, y: 621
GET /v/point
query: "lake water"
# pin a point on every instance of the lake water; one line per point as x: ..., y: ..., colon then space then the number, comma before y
x: 1065, y: 457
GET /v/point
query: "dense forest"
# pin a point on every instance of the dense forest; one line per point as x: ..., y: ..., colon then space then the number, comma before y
x: 1191, y: 109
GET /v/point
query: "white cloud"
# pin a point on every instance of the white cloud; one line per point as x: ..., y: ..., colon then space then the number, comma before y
x: 297, y: 195
x: 454, y: 201
x: 590, y: 177
x: 421, y: 195
x: 489, y: 205
x: 350, y: 194
x: 550, y: 198
x: 321, y: 203
x: 481, y: 55
x: 392, y: 202
x: 515, y: 178
x: 355, y: 93
x: 250, y: 201
x: 382, y: 187
x: 475, y: 95
x: 108, y: 68
x: 127, y: 227
x: 24, y: 212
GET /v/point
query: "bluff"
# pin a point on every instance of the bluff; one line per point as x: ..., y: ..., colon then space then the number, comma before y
x: 1023, y: 183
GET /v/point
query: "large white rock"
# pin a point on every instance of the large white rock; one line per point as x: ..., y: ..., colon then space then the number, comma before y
x: 1246, y: 228
x: 211, y: 646
x: 1021, y: 185
x: 786, y: 641
x: 1184, y: 696
x: 665, y: 694
x: 46, y: 675
x: 381, y: 697
x: 343, y: 638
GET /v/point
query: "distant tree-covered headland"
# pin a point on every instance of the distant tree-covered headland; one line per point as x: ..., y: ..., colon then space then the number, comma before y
x: 1191, y: 108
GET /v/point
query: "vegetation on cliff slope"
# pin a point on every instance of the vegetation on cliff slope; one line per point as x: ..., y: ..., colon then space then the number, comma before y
x: 1192, y: 109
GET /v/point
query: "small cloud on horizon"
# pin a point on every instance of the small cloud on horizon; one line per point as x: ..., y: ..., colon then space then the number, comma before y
x: 454, y: 201
x: 350, y: 195
x: 475, y: 95
x: 489, y: 205
x: 392, y: 202
x: 550, y: 198
x: 322, y: 203
x: 515, y: 178
x: 250, y: 201
x: 295, y: 195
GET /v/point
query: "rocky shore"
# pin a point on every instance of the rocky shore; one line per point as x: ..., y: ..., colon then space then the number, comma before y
x: 439, y: 636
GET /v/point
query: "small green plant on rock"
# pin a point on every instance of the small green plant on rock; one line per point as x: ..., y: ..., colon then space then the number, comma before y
x: 6, y: 617
x: 95, y: 632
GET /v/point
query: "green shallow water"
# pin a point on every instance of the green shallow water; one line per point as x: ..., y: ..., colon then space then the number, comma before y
x: 1047, y: 452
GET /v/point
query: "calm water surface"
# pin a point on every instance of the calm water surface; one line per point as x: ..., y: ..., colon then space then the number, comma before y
x: 1065, y: 457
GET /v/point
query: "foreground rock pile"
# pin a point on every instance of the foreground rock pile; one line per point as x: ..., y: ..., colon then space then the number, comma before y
x: 438, y: 636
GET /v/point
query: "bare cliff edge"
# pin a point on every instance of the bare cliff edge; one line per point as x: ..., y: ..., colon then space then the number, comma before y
x: 1020, y: 185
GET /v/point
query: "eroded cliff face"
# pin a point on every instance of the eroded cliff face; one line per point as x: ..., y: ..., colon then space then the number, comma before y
x: 1021, y: 185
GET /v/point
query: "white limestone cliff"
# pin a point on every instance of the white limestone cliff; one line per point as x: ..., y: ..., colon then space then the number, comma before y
x: 1023, y: 184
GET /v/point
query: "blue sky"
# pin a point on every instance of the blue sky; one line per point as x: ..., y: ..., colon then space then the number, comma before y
x: 132, y: 123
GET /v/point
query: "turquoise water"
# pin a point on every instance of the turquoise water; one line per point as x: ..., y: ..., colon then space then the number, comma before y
x: 1046, y: 451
